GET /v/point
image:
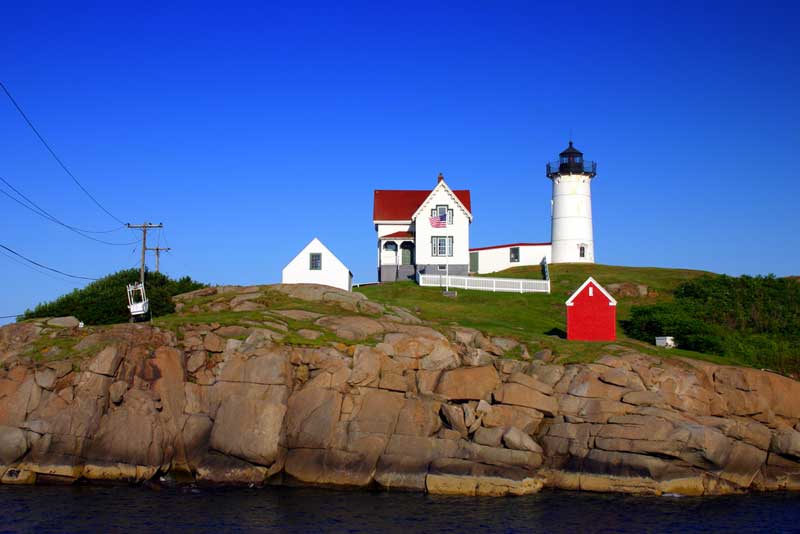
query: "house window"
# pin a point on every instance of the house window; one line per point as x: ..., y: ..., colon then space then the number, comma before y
x: 441, y: 246
x: 443, y: 210
x: 315, y: 261
x: 591, y: 291
x: 442, y: 267
x: 514, y: 253
x: 583, y: 251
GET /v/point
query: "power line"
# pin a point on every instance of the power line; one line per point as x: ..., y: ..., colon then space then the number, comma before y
x: 52, y: 153
x: 178, y: 258
x: 14, y: 252
x: 144, y: 228
x: 158, y: 251
x: 32, y: 268
x: 164, y: 232
x: 65, y: 225
x: 41, y: 211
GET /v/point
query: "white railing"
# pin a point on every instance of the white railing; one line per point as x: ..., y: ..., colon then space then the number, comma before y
x: 508, y: 285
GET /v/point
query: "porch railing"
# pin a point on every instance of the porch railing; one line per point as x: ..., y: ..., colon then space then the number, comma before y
x: 506, y: 285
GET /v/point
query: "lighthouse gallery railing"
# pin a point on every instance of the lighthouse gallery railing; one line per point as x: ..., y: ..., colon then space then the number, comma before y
x: 585, y: 167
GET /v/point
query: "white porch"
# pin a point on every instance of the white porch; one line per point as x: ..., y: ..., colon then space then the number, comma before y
x: 397, y: 257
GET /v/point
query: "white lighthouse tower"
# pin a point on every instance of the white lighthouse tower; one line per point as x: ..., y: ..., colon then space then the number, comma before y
x: 572, y: 235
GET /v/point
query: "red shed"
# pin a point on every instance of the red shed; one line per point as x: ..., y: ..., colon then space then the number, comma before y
x: 591, y: 313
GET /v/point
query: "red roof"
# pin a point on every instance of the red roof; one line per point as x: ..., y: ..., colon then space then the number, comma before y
x: 510, y: 245
x: 398, y: 234
x: 400, y: 204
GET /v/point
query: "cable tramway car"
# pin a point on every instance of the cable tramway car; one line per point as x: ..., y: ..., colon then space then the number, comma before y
x: 138, y: 304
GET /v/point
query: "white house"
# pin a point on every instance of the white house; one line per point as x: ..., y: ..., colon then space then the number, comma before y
x: 315, y: 264
x: 421, y: 231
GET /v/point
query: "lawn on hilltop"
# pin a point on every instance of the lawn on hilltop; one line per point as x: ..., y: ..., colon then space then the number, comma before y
x: 540, y: 319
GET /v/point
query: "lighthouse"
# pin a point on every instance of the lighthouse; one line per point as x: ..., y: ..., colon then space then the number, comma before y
x: 572, y: 236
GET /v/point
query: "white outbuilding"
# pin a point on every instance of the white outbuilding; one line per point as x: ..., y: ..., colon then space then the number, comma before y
x: 485, y: 260
x: 315, y: 264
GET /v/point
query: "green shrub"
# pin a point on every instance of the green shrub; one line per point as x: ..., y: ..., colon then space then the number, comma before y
x: 753, y: 319
x: 105, y: 301
x: 760, y: 304
x: 647, y: 322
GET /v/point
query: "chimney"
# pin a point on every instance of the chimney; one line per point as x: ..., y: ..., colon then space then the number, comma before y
x: 440, y: 178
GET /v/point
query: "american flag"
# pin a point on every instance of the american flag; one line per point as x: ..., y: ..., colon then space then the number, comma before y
x: 439, y: 221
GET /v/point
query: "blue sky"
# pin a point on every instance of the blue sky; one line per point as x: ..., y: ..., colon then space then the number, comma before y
x: 248, y: 129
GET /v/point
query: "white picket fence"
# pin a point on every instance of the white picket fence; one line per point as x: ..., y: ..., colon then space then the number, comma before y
x: 508, y: 285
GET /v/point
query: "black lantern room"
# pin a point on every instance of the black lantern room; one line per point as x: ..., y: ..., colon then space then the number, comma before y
x: 570, y: 161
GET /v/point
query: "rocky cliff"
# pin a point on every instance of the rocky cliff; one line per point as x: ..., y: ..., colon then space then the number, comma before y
x: 309, y: 385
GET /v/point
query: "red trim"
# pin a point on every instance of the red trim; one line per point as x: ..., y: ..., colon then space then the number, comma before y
x: 511, y: 245
x: 398, y: 234
x: 400, y: 205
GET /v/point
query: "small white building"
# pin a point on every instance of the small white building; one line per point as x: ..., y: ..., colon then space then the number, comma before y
x: 485, y: 260
x: 315, y: 264
x: 667, y: 342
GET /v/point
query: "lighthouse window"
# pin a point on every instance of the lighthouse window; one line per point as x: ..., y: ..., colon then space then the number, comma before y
x: 514, y: 254
x: 583, y: 252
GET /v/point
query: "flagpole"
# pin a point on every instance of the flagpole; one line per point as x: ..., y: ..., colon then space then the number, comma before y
x: 436, y: 222
x: 447, y: 250
x: 447, y: 264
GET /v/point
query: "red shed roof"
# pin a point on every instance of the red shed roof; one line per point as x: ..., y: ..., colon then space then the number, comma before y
x: 400, y: 204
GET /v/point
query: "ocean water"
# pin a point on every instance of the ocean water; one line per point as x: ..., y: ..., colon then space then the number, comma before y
x: 137, y: 509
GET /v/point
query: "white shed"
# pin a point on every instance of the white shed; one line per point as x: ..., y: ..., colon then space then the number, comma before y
x: 666, y: 342
x: 315, y: 264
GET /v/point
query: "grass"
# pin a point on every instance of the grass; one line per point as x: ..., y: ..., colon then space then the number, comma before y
x: 537, y: 319
x: 514, y: 354
x: 565, y: 278
x: 49, y: 349
x: 273, y: 301
x: 224, y: 318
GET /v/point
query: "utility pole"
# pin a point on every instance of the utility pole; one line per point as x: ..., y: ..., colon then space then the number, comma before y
x: 158, y: 251
x: 144, y: 227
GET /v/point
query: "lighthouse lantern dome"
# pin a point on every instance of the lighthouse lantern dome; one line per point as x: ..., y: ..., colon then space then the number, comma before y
x: 571, y: 161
